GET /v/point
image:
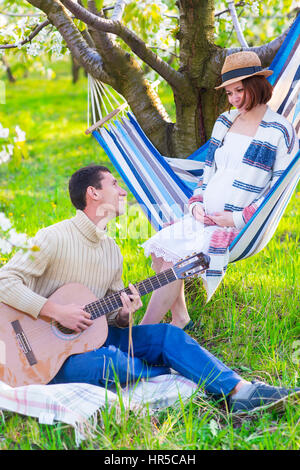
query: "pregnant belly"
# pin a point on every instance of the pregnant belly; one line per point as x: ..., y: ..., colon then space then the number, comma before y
x: 218, y: 191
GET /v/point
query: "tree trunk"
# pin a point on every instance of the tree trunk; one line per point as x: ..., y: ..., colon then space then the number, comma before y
x: 9, y: 73
x: 75, y: 70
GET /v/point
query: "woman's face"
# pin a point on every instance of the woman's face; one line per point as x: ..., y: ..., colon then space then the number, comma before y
x: 235, y: 94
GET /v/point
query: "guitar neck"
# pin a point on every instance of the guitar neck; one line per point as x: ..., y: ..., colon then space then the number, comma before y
x: 113, y: 302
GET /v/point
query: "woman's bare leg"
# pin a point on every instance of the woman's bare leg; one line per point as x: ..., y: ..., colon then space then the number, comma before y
x: 169, y: 297
x: 180, y: 315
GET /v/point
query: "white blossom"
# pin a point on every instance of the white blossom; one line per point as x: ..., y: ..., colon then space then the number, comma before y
x: 5, y: 246
x: 10, y: 149
x: 255, y: 8
x: 21, y: 135
x: 10, y: 31
x: 4, y: 132
x: 5, y: 223
x: 34, y: 49
x: 9, y: 238
x: 56, y: 46
x: 43, y: 35
x: 6, y: 153
x: 17, y: 239
x: 4, y: 156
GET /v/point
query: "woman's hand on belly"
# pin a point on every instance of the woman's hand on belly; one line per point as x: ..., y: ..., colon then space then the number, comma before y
x: 198, y: 213
x: 223, y: 219
x: 201, y: 216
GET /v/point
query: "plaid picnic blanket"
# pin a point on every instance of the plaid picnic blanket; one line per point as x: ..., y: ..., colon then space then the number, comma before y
x: 78, y: 404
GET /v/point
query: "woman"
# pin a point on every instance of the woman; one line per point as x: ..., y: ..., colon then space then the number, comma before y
x: 249, y: 149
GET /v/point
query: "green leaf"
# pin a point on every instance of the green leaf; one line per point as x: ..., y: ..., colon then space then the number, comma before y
x: 80, y: 24
x: 99, y: 4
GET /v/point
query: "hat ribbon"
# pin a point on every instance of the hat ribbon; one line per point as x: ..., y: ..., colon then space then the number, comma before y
x: 240, y: 72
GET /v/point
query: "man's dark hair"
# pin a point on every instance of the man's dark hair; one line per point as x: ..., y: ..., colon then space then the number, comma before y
x: 83, y: 178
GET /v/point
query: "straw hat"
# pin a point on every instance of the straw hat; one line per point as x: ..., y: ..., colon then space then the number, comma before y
x: 241, y: 65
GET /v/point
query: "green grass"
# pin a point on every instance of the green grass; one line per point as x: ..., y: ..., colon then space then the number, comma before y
x: 252, y: 322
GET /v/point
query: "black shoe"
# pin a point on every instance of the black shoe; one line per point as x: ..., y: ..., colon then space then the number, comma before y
x: 258, y: 396
x: 189, y: 326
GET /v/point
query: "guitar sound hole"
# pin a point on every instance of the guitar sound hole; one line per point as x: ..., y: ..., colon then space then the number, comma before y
x: 64, y: 330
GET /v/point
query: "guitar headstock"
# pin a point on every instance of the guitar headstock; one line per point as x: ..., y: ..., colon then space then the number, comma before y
x: 191, y: 266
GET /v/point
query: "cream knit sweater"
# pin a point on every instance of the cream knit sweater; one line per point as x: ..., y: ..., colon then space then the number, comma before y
x: 73, y: 250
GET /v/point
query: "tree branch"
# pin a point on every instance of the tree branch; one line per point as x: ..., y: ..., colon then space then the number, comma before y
x: 118, y: 10
x: 236, y: 24
x: 174, y: 78
x: 220, y: 13
x: 266, y: 52
x: 34, y: 33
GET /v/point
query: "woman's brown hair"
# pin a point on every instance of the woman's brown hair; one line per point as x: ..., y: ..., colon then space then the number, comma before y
x: 257, y: 89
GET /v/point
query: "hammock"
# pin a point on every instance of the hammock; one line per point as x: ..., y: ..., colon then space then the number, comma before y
x: 162, y: 186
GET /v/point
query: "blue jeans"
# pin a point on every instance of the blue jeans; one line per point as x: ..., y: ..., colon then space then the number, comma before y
x: 157, y: 348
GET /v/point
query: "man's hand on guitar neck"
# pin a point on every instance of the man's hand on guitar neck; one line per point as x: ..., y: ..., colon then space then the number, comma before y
x: 131, y: 303
x: 70, y: 316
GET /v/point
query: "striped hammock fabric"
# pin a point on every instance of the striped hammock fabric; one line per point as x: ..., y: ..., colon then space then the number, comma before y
x: 162, y: 186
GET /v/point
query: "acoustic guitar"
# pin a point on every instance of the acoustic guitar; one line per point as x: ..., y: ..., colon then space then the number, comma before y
x: 33, y: 350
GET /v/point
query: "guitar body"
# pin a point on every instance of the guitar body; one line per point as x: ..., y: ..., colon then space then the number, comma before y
x: 33, y: 350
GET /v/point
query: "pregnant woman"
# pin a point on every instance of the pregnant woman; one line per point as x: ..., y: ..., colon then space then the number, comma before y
x: 249, y: 149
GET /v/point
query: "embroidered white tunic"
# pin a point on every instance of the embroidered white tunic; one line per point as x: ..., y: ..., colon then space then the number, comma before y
x: 187, y: 235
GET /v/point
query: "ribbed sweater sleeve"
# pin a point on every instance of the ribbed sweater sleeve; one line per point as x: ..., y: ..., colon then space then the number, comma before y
x: 16, y: 276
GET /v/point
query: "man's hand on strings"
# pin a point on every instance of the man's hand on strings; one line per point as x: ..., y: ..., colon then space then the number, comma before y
x: 131, y: 303
x: 71, y: 316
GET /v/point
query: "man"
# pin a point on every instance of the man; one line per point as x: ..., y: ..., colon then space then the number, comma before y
x: 79, y: 250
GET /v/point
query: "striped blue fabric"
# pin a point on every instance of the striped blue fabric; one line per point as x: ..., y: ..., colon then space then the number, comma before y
x: 162, y: 186
x: 247, y: 187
